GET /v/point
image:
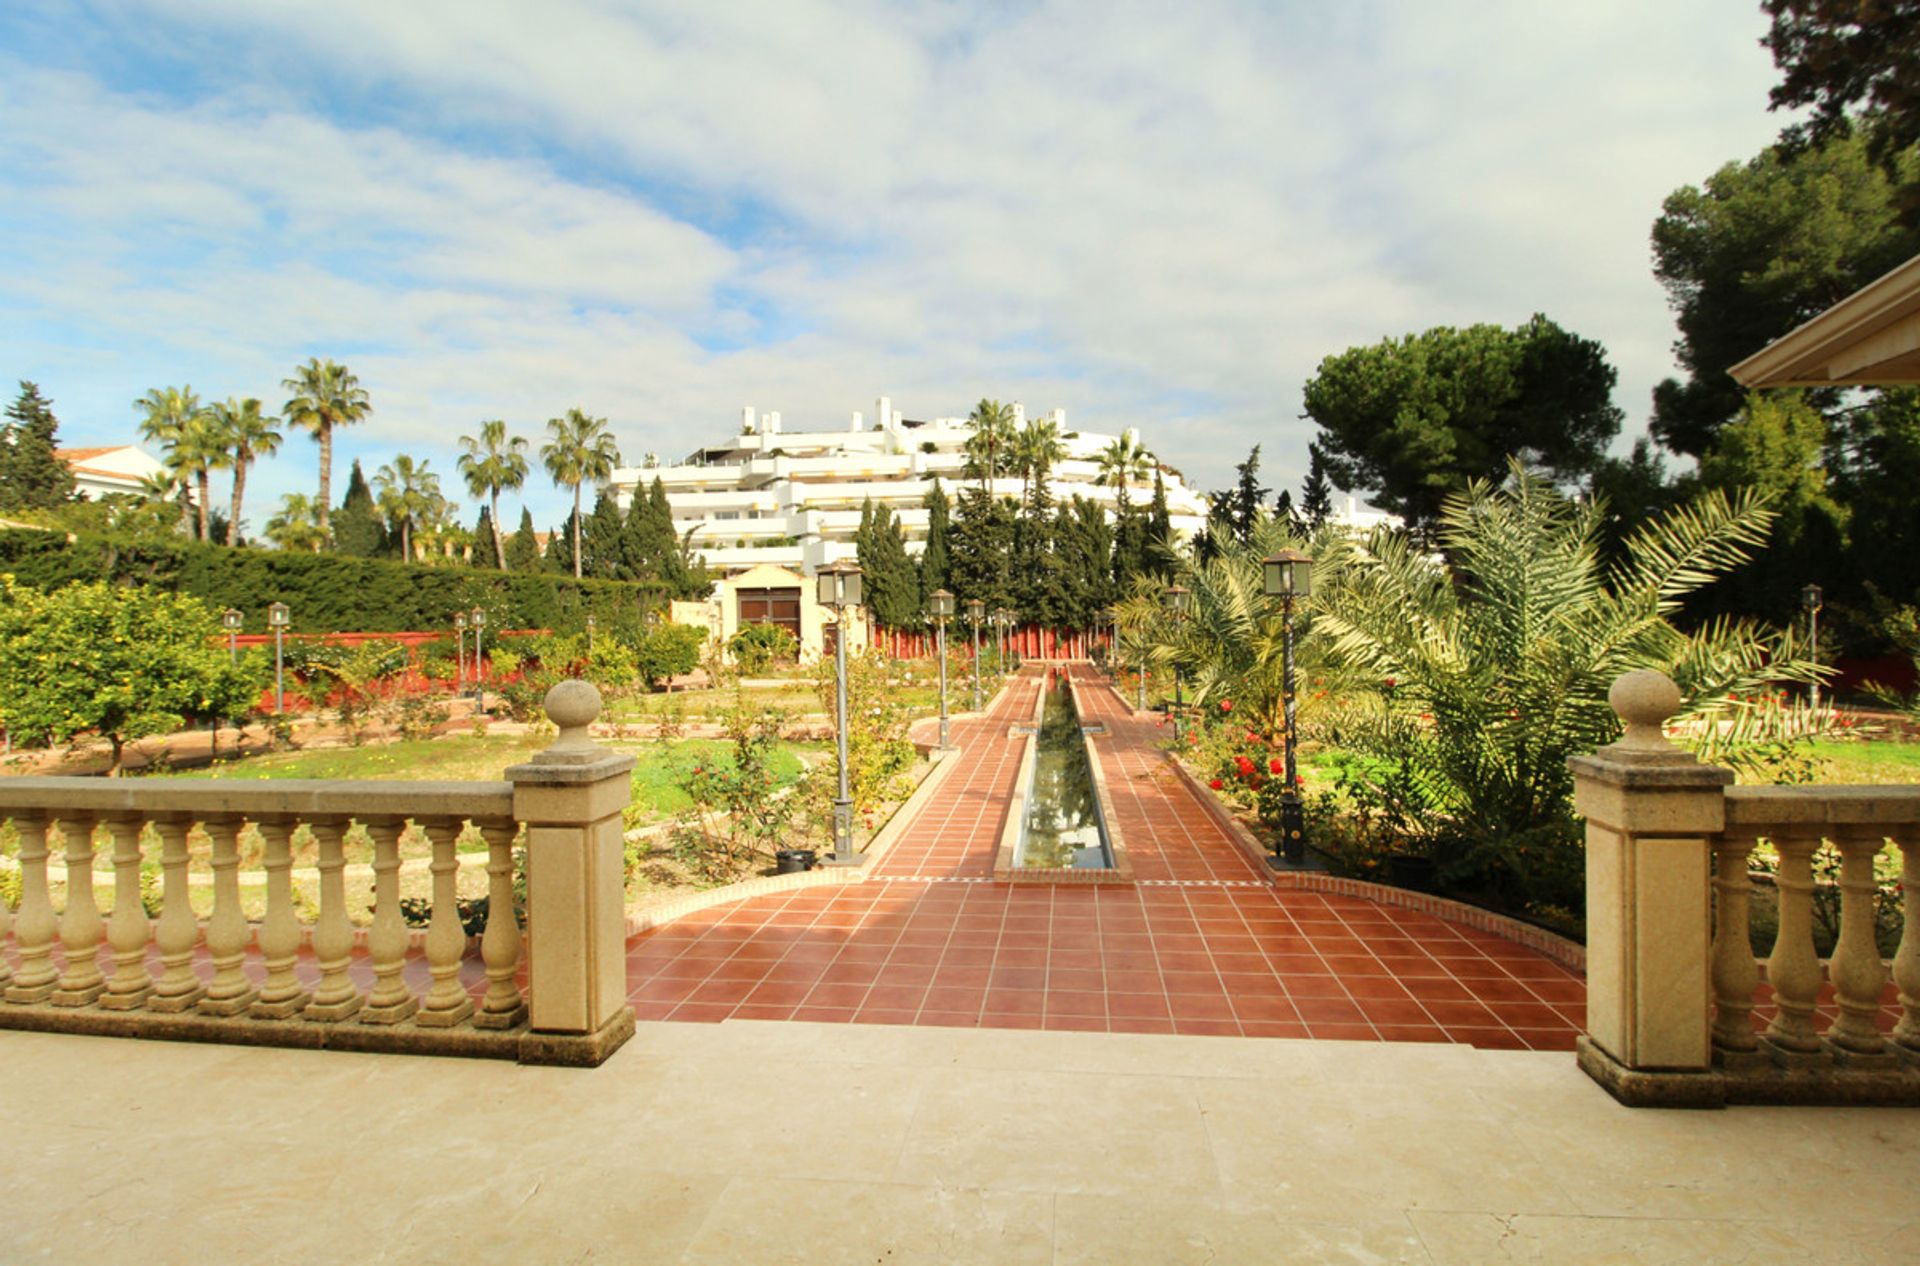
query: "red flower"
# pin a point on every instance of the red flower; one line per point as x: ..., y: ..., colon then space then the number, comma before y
x: 1226, y: 705
x: 1216, y: 784
x: 1274, y: 765
x: 1390, y: 683
x: 1299, y: 780
x: 1245, y: 766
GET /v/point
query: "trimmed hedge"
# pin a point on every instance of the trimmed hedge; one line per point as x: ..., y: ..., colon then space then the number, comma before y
x: 330, y: 593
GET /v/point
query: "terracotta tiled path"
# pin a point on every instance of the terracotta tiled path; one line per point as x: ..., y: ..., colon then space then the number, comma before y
x: 1200, y: 943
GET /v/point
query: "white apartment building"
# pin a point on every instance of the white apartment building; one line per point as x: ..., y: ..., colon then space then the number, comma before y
x: 792, y: 498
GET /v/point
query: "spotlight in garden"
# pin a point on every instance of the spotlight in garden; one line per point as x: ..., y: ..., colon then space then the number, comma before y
x: 278, y: 617
x: 1288, y: 575
x: 839, y: 588
x: 940, y: 610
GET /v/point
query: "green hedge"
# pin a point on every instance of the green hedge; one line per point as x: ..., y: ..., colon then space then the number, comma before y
x: 329, y: 593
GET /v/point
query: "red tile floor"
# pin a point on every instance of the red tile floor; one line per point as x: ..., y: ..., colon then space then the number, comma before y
x: 1201, y: 943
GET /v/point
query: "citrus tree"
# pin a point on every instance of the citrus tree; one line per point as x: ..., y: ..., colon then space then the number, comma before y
x: 122, y: 663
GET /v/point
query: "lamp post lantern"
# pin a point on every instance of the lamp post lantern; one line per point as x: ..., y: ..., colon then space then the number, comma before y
x: 478, y: 619
x: 278, y: 618
x: 460, y: 663
x: 230, y: 621
x: 1175, y: 601
x: 975, y: 610
x: 1811, y: 600
x: 1288, y: 575
x: 591, y: 622
x: 839, y: 588
x: 940, y: 609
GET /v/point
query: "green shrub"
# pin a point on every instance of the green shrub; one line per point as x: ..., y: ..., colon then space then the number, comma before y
x: 668, y: 650
x: 756, y: 646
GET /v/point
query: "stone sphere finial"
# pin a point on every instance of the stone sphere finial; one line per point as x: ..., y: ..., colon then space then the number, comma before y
x: 572, y: 706
x: 1644, y: 699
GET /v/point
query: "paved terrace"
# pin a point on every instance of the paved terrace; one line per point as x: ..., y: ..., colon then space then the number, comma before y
x: 1201, y: 944
x: 791, y: 1143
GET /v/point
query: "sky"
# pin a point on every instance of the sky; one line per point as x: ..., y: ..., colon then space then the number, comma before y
x: 1161, y: 216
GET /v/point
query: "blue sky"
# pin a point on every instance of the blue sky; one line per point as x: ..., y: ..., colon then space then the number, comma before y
x: 1150, y: 215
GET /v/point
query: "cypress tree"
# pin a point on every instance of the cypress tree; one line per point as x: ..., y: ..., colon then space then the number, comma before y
x: 980, y: 542
x: 1316, y: 498
x: 523, y: 547
x: 602, y: 540
x: 358, y: 528
x: 1283, y: 510
x: 893, y: 585
x: 560, y: 548
x: 1159, y: 522
x: 481, y: 553
x: 31, y: 477
x: 1248, y: 496
x: 935, y: 562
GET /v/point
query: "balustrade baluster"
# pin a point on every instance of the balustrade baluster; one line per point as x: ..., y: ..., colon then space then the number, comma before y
x: 1735, y: 973
x: 177, y: 932
x: 80, y: 922
x: 504, y: 1006
x: 446, y: 1002
x: 230, y: 992
x: 33, y: 931
x: 1906, y: 959
x: 1857, y: 973
x: 1793, y: 969
x: 391, y: 1000
x: 282, y: 994
x: 127, y: 928
x: 337, y: 996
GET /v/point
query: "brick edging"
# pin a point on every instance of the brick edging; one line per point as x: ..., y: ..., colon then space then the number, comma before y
x: 642, y: 921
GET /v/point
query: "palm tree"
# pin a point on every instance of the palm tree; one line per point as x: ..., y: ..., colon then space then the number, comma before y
x: 1122, y: 463
x: 247, y: 435
x: 409, y: 494
x: 582, y: 448
x: 326, y: 395
x: 297, y: 524
x: 168, y: 417
x: 492, y: 463
x: 164, y: 488
x: 992, y: 424
x: 1035, y: 450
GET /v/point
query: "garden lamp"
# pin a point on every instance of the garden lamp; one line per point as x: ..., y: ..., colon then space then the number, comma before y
x: 976, y: 610
x: 478, y: 619
x: 278, y: 617
x: 460, y: 671
x: 1811, y: 600
x: 839, y: 588
x: 1288, y: 575
x: 940, y: 609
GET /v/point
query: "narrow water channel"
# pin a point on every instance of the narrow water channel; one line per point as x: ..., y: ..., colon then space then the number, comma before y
x: 1063, y: 821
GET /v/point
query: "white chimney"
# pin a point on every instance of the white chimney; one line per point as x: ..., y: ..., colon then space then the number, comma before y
x: 746, y: 419
x: 773, y: 423
x: 1059, y: 417
x: 899, y: 419
x: 859, y: 421
x: 882, y: 410
x: 1019, y: 414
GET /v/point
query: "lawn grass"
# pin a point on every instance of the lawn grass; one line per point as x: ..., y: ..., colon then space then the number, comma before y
x: 1877, y: 761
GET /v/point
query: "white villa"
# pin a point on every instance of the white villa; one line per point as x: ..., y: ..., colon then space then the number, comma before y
x: 100, y: 471
x: 792, y: 498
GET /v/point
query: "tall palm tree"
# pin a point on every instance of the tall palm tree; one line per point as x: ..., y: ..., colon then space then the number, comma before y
x: 167, y: 415
x: 581, y: 448
x: 492, y: 463
x: 1035, y: 450
x: 992, y: 424
x: 326, y: 395
x: 1122, y: 463
x: 247, y: 435
x: 297, y: 524
x: 409, y: 494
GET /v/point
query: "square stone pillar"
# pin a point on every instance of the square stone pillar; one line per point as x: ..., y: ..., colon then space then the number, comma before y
x: 1652, y: 811
x: 571, y: 796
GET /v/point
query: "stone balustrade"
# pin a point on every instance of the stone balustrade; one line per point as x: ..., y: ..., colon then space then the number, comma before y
x: 1673, y: 982
x: 173, y: 976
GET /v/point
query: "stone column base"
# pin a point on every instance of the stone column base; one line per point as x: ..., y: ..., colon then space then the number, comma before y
x: 1889, y: 1086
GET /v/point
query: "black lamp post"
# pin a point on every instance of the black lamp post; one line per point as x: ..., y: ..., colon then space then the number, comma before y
x: 838, y: 589
x: 1009, y: 656
x: 478, y: 619
x: 230, y: 621
x: 975, y: 609
x: 940, y: 610
x: 1175, y: 600
x: 460, y: 663
x: 1811, y: 600
x: 278, y: 617
x: 1288, y: 575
